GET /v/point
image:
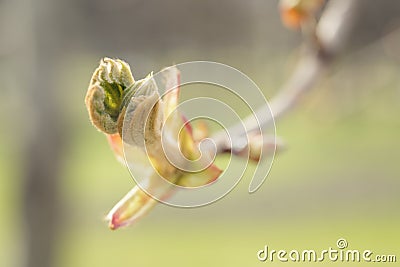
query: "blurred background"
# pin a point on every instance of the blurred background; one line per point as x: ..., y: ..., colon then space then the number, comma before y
x: 338, y: 177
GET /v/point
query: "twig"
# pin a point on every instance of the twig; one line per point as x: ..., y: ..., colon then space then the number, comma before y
x: 331, y: 34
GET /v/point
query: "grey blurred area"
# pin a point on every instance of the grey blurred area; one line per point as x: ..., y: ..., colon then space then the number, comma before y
x: 48, y: 50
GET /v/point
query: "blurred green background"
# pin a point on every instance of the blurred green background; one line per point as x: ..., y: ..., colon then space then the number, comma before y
x: 338, y: 177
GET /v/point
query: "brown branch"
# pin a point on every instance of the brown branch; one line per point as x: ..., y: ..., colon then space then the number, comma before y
x: 331, y: 34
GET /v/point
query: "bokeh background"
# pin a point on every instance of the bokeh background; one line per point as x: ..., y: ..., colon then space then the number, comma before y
x: 338, y: 177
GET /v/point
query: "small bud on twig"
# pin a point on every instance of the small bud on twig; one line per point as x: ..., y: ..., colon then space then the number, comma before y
x: 106, y: 91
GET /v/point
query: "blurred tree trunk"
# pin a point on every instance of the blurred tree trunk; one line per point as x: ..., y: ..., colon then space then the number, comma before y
x: 43, y: 126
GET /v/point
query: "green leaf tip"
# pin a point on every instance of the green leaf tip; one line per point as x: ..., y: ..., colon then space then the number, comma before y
x: 108, y: 86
